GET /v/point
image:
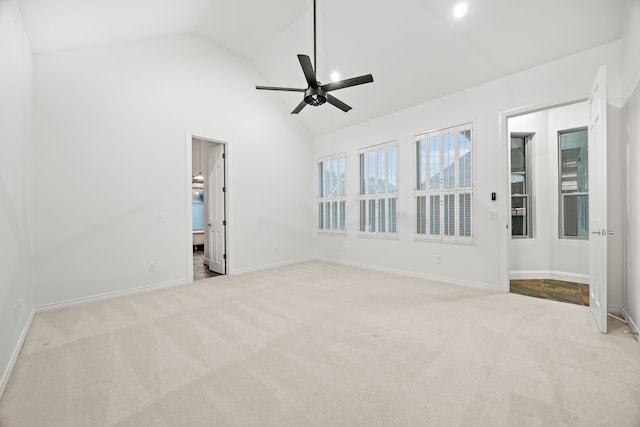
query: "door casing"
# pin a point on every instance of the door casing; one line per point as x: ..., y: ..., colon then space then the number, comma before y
x: 189, y: 136
x: 504, y: 204
x: 504, y: 224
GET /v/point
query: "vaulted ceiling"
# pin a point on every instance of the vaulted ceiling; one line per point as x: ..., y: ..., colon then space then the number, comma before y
x: 415, y: 49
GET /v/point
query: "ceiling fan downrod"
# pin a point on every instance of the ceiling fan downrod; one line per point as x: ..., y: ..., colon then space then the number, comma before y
x: 316, y: 93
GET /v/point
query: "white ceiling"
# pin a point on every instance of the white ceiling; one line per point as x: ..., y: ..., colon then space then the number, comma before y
x: 415, y: 49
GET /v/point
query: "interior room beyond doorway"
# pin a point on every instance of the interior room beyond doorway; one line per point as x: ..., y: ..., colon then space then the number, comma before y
x: 208, y: 234
x: 549, y: 245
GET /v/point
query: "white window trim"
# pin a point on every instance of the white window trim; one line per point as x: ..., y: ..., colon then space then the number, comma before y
x: 441, y: 238
x: 338, y: 199
x: 561, y: 195
x: 376, y: 196
x: 528, y: 141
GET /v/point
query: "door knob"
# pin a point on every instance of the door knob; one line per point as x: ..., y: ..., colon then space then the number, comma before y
x: 602, y: 232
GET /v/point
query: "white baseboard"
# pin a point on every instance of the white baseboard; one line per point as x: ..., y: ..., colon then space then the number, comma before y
x: 272, y: 265
x: 16, y: 352
x: 632, y: 325
x: 549, y: 274
x: 69, y: 303
x: 412, y: 274
x: 615, y: 309
x: 109, y: 295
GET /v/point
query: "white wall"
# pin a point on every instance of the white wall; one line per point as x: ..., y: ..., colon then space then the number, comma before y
x: 16, y: 183
x: 630, y: 127
x: 565, y: 255
x: 531, y: 256
x: 112, y: 156
x: 570, y: 77
x: 630, y: 42
x: 631, y: 132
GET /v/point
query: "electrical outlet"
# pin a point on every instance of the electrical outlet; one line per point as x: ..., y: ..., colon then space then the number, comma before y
x: 438, y: 259
x: 152, y: 266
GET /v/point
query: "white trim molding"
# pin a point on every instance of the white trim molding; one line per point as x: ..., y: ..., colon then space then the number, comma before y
x: 632, y: 325
x: 16, y: 352
x: 272, y: 265
x: 413, y: 274
x: 615, y: 309
x: 109, y: 295
x: 504, y: 203
x: 189, y: 136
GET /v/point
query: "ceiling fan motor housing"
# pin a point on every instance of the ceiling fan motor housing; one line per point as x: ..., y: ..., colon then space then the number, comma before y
x: 315, y: 96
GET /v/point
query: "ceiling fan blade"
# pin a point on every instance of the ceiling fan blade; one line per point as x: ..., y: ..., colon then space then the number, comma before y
x: 286, y: 89
x: 354, y: 81
x: 307, y: 69
x: 337, y: 103
x: 299, y: 107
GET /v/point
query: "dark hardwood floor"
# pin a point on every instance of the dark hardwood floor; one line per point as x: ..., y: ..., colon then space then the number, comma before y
x: 556, y: 290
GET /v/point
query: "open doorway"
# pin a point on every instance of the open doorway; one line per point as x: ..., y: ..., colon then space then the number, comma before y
x: 597, y: 230
x: 549, y: 245
x: 208, y: 208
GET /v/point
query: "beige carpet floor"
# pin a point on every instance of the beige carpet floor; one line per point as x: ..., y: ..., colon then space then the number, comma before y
x: 318, y: 344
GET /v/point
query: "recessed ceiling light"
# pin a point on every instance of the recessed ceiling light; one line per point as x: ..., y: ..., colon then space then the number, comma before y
x: 335, y: 76
x: 460, y: 10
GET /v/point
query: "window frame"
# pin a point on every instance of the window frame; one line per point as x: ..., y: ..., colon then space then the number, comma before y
x: 429, y: 201
x: 331, y: 202
x: 528, y: 138
x: 368, y: 199
x: 561, y: 194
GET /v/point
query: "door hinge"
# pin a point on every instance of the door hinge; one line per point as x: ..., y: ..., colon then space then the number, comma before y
x: 224, y: 256
x: 224, y: 189
x: 224, y: 222
x: 223, y: 156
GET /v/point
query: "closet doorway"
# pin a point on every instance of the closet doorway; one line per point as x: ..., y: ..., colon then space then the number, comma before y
x: 208, y: 208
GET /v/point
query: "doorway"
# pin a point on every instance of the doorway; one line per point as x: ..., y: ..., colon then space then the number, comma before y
x: 597, y: 231
x: 549, y: 244
x: 208, y: 249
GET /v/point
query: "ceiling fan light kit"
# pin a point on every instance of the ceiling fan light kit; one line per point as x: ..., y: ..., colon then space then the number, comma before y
x: 316, y: 94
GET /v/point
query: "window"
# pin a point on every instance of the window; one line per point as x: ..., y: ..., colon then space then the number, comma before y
x: 332, y: 197
x: 444, y: 185
x: 520, y: 186
x: 574, y: 183
x: 197, y: 209
x: 378, y: 190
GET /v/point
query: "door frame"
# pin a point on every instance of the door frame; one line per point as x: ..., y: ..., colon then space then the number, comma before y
x: 504, y: 230
x: 188, y: 204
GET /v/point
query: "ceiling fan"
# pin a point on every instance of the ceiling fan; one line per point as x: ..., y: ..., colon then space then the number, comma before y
x: 316, y: 93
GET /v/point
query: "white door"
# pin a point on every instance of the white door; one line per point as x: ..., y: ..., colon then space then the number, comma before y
x: 598, y: 200
x: 216, y: 224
